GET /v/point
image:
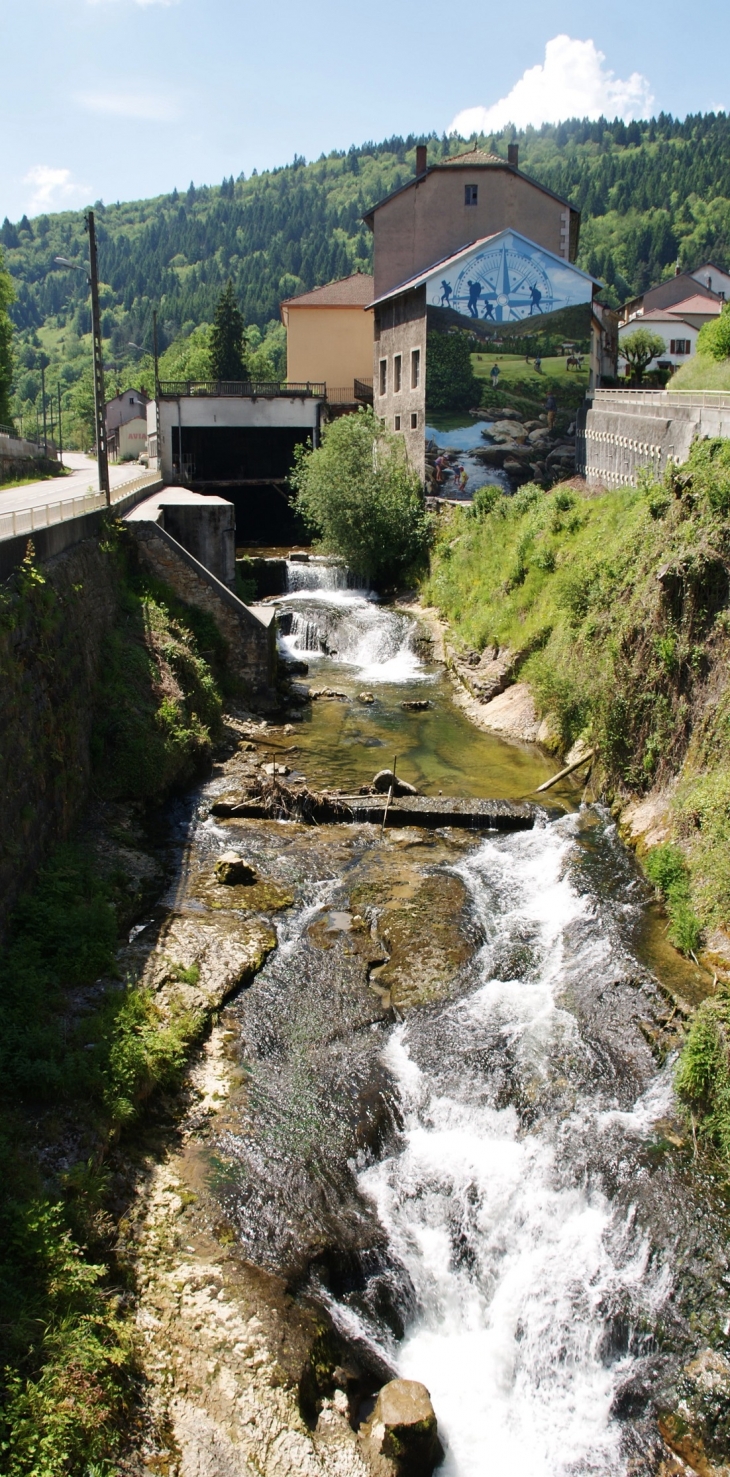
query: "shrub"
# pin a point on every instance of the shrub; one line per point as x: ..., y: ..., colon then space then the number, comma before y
x: 358, y: 494
x: 666, y: 867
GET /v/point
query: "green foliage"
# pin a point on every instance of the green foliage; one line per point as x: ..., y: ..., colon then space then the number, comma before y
x: 485, y: 501
x: 639, y: 348
x: 158, y: 700
x: 702, y: 1079
x: 358, y: 494
x: 227, y: 341
x: 451, y: 383
x: 7, y: 295
x: 666, y: 867
x: 714, y: 338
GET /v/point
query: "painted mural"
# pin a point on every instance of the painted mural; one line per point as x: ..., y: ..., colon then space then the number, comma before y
x: 507, y: 281
x: 497, y: 306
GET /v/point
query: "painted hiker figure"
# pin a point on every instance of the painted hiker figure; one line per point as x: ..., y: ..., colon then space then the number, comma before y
x: 551, y: 406
x: 475, y: 292
x: 494, y: 375
x: 446, y: 291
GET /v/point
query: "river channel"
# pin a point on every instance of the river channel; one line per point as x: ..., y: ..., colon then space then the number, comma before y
x: 451, y: 1129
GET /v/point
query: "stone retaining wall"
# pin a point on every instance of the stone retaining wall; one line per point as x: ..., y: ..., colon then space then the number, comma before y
x: 619, y: 433
x: 250, y: 633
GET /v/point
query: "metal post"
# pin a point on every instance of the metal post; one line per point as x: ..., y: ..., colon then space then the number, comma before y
x: 157, y: 390
x: 60, y: 433
x: 99, y: 398
x: 43, y: 393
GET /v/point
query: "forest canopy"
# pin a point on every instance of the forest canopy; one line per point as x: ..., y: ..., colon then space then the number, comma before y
x: 650, y: 193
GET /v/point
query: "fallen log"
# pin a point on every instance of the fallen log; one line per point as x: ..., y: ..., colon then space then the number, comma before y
x: 577, y: 763
x: 411, y: 810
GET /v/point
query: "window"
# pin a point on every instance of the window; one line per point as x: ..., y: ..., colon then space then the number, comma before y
x: 397, y: 423
x: 131, y: 399
x: 414, y: 420
x: 415, y: 368
x: 397, y: 364
x: 680, y: 346
x: 470, y: 194
x: 383, y: 376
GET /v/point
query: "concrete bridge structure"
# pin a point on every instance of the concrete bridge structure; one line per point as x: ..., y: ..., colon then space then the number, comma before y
x: 620, y: 433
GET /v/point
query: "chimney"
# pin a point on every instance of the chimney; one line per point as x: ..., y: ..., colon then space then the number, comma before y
x: 421, y: 159
x: 513, y: 155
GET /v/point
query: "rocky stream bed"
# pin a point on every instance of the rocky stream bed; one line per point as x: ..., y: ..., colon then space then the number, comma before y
x: 431, y: 1136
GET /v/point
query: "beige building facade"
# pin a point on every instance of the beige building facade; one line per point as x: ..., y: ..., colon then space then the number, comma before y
x: 330, y: 335
x: 460, y: 200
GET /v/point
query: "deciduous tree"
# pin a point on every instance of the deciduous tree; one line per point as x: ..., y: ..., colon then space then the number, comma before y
x: 639, y: 349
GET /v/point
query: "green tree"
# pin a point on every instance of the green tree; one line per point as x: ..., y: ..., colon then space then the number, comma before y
x: 7, y: 295
x: 639, y: 349
x: 450, y: 380
x: 359, y: 495
x: 83, y: 419
x: 714, y: 338
x: 227, y: 340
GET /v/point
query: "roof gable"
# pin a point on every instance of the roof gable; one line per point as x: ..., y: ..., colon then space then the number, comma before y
x: 501, y: 278
x: 470, y: 159
x: 355, y: 291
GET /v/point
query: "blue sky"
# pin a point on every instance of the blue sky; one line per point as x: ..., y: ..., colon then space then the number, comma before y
x: 121, y: 99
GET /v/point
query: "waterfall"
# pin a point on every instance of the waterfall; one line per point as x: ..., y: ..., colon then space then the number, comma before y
x: 324, y: 614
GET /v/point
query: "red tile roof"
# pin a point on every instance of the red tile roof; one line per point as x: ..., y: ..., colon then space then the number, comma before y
x: 471, y: 156
x: 696, y: 304
x: 349, y: 292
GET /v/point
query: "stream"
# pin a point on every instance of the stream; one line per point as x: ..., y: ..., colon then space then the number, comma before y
x: 488, y: 1192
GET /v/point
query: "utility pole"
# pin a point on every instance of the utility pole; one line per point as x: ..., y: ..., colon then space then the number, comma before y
x: 157, y: 388
x: 43, y: 394
x: 99, y: 397
x: 60, y: 433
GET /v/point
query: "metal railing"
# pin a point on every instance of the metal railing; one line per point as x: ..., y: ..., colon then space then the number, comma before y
x: 244, y: 389
x: 705, y: 399
x: 358, y: 393
x: 26, y: 521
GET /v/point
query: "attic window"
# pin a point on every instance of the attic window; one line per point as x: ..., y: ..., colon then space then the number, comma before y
x: 470, y: 194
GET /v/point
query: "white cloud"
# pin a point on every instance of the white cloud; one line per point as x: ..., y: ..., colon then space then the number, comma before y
x: 149, y: 105
x: 54, y: 188
x: 572, y: 82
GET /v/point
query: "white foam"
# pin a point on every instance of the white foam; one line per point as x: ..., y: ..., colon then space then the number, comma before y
x: 513, y: 1269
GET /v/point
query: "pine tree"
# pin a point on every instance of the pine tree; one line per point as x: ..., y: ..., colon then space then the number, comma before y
x: 6, y: 344
x: 227, y: 341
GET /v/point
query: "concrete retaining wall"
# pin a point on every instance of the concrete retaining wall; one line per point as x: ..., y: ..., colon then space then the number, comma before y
x: 250, y: 634
x: 621, y: 432
x: 54, y: 539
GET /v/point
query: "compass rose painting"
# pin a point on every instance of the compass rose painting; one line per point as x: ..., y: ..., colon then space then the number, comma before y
x: 507, y: 280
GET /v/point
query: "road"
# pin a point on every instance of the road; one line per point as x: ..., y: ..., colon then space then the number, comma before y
x: 82, y: 479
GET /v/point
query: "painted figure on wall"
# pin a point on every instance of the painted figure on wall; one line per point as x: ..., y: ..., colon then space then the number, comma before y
x: 475, y: 292
x: 446, y: 291
x: 508, y: 279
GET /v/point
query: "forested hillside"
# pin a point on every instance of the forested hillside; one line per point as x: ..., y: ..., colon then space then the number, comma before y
x: 649, y: 192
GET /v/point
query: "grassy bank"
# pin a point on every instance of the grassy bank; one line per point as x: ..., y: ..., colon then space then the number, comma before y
x: 78, y: 1063
x: 618, y: 608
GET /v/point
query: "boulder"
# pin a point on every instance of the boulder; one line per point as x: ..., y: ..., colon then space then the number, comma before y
x: 328, y: 692
x: 403, y: 1430
x: 275, y: 769
x: 695, y: 1419
x: 416, y: 704
x: 234, y: 871
x: 385, y: 778
x: 513, y: 428
x: 366, y: 697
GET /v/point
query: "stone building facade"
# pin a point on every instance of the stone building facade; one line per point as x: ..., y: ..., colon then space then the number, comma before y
x: 400, y: 370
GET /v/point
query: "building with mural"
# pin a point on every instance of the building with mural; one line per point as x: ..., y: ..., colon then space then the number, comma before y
x: 503, y: 289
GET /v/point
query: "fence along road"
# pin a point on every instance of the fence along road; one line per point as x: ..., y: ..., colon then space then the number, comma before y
x: 39, y: 504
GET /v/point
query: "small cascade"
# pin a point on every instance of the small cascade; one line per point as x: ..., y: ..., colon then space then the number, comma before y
x: 325, y: 614
x: 318, y: 574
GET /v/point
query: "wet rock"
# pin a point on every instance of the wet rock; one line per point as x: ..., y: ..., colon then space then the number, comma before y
x: 276, y: 769
x: 403, y: 1430
x: 328, y: 692
x: 295, y: 667
x: 383, y: 780
x: 508, y: 427
x: 417, y: 704
x: 366, y: 697
x: 696, y: 1422
x: 233, y: 870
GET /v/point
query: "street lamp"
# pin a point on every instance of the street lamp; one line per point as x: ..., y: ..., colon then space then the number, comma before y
x: 99, y: 398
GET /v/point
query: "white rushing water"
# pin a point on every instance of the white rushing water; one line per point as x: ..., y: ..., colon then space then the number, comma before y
x: 346, y: 626
x: 516, y: 1263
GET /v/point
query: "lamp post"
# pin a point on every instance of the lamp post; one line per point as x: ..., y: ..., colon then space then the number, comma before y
x: 99, y: 399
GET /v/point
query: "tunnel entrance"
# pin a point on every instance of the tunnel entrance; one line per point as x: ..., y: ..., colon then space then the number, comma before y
x: 249, y: 465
